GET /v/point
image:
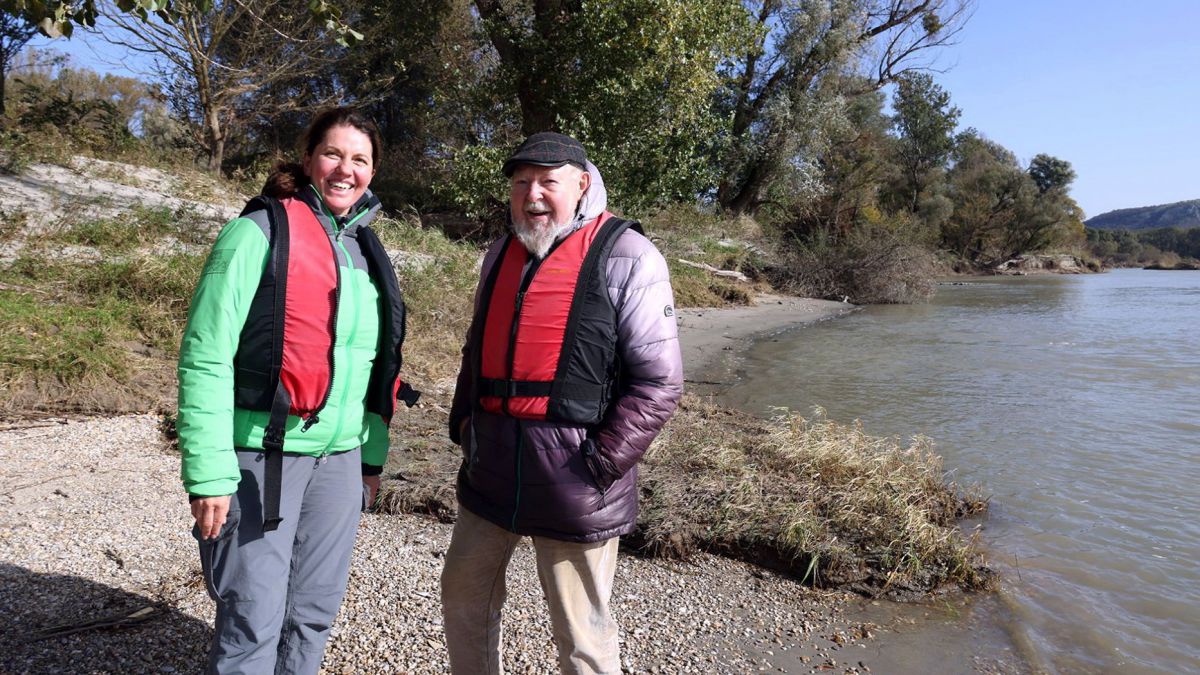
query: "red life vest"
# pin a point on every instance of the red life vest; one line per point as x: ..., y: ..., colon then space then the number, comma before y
x: 284, y: 361
x: 548, y: 345
x: 298, y: 292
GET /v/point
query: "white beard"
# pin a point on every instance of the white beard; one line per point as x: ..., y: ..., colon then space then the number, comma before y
x: 537, y: 241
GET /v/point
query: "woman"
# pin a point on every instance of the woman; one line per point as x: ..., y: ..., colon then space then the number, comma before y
x: 288, y: 373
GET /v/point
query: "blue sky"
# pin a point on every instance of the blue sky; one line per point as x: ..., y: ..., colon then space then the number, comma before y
x: 1111, y: 86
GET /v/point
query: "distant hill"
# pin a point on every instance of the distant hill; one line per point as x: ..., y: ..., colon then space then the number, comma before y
x: 1179, y: 214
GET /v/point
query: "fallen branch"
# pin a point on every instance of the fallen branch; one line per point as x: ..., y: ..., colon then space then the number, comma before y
x: 119, y: 621
x: 731, y: 274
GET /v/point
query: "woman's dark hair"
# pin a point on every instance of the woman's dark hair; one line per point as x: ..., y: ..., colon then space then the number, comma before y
x: 288, y: 177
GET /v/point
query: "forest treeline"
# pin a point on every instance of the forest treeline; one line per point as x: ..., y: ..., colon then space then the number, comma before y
x: 1164, y: 246
x: 822, y: 120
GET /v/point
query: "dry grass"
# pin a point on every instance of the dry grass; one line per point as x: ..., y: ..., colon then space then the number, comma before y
x: 821, y: 500
x: 689, y: 233
x: 437, y: 277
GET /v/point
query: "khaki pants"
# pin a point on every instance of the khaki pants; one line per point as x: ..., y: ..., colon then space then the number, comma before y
x: 577, y: 582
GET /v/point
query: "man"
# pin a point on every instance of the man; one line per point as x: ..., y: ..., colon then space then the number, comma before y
x: 570, y: 370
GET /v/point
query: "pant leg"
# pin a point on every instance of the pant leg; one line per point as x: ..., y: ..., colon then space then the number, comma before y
x: 473, y: 593
x: 577, y: 580
x: 246, y: 569
x: 324, y: 542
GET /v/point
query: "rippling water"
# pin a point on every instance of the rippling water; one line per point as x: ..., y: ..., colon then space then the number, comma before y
x: 1075, y: 402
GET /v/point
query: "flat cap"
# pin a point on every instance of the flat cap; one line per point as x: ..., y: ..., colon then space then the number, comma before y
x: 547, y: 148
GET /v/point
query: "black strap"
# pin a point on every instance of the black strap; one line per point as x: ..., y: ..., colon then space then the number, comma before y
x: 514, y: 388
x: 408, y: 394
x: 273, y: 449
x: 281, y: 403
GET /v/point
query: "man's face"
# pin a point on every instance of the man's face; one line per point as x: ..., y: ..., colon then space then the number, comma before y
x: 544, y: 198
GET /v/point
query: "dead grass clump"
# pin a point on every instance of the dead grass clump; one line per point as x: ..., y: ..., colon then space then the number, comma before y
x: 871, y: 266
x: 820, y: 500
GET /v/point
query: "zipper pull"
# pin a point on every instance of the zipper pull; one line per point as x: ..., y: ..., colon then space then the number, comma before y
x: 312, y: 419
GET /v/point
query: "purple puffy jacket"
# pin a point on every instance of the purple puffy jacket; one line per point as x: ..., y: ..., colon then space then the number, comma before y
x: 531, y: 477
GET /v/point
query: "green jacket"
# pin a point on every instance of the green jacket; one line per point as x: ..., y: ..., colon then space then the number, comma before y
x: 209, y: 424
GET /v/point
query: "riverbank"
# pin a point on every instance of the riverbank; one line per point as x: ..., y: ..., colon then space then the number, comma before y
x: 96, y: 330
x: 712, y: 338
x: 99, y: 573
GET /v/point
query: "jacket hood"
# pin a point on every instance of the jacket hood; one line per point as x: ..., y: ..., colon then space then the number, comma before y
x: 594, y: 201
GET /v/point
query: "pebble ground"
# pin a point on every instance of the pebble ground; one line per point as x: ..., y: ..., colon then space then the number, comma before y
x: 99, y: 574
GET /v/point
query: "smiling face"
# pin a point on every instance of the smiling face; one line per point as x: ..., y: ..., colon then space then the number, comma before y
x: 543, y: 200
x: 545, y: 197
x: 341, y: 167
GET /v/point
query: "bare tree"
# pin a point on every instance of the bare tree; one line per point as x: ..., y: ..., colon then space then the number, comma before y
x: 212, y: 56
x: 781, y: 89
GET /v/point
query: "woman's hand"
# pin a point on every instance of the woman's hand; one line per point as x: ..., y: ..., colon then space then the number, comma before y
x: 210, y: 513
x: 372, y: 483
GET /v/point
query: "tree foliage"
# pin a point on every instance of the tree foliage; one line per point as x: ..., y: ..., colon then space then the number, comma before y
x: 633, y: 79
x: 787, y: 89
x: 925, y: 123
x: 214, y: 56
x: 16, y: 30
x: 1051, y: 173
x: 59, y: 17
x: 999, y: 208
x: 772, y: 108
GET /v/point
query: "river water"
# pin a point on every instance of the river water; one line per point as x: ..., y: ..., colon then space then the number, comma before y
x: 1075, y: 402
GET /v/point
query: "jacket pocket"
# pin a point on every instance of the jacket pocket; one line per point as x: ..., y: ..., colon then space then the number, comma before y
x: 595, y: 464
x: 211, y: 551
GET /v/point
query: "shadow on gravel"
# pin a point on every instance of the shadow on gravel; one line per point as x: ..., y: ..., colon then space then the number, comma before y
x: 66, y: 624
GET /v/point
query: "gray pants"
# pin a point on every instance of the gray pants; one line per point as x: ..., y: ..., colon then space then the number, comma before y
x: 277, y: 593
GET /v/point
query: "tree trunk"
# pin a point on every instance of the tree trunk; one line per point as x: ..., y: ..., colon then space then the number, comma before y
x: 745, y: 196
x: 216, y: 141
x: 536, y: 114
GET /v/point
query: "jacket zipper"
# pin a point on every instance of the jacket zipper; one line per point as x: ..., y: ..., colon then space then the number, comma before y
x: 512, y: 350
x: 314, y: 417
x: 520, y: 451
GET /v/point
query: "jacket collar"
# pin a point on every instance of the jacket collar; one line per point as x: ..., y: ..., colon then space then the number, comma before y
x: 362, y: 213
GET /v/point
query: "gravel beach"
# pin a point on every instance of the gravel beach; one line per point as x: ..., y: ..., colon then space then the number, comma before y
x: 99, y: 572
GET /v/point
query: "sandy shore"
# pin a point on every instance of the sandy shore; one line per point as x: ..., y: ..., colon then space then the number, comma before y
x: 98, y: 570
x: 712, y: 339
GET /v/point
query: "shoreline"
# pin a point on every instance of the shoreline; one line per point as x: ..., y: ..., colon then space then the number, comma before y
x: 712, y: 338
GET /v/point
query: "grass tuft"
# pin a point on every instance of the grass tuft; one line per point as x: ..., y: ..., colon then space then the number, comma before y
x: 821, y: 500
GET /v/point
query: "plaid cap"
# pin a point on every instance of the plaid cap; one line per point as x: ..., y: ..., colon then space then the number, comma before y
x: 547, y: 148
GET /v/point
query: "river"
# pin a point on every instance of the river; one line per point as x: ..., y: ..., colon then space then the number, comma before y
x: 1074, y: 401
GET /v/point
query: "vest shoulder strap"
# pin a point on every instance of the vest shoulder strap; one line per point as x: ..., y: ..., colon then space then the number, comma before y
x: 281, y: 402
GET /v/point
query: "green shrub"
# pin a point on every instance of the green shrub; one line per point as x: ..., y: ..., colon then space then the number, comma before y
x: 92, y: 123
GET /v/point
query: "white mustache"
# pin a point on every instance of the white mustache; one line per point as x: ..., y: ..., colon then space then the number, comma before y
x: 538, y: 207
